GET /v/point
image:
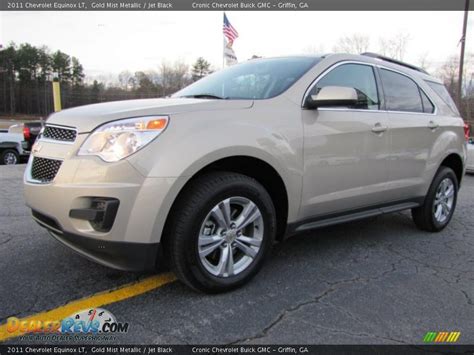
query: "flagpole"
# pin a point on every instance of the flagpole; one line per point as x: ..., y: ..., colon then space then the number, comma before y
x: 229, y: 34
x: 223, y: 51
x: 223, y: 46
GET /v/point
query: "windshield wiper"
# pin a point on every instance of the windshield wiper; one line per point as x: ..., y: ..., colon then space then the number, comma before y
x: 205, y: 96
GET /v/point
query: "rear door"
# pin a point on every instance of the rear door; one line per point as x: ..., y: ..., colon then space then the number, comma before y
x: 413, y: 127
x: 345, y: 148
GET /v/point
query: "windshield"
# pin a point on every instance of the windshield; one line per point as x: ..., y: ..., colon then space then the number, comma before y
x: 255, y: 79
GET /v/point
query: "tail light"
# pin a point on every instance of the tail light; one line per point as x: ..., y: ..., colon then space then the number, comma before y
x: 466, y: 131
x: 26, y: 133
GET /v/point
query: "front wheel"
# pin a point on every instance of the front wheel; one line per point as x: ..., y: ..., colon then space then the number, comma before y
x: 220, y: 231
x: 440, y: 202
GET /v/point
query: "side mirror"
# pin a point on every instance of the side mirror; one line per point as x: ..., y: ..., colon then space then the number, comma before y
x: 332, y: 96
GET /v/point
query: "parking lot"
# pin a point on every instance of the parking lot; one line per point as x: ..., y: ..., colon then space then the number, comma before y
x: 376, y: 281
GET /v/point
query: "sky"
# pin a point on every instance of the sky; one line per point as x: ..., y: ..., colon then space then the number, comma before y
x: 110, y: 42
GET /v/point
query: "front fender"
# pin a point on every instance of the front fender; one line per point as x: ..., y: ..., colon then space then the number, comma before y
x: 188, y: 146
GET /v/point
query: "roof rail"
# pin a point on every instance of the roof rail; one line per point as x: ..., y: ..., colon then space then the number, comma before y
x: 394, y: 61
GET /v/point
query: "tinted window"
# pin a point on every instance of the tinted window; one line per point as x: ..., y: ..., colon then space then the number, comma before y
x: 428, y: 106
x: 255, y: 79
x: 440, y: 89
x: 401, y: 93
x: 357, y: 76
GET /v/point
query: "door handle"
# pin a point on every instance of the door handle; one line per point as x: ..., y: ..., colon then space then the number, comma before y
x: 378, y: 128
x: 433, y: 125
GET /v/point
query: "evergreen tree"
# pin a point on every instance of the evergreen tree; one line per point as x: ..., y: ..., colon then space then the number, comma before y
x: 200, y: 69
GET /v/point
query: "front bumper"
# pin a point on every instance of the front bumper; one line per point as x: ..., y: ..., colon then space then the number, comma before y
x: 118, y: 255
x: 133, y: 240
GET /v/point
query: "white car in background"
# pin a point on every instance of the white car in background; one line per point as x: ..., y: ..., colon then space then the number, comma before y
x: 12, y: 147
x: 470, y: 157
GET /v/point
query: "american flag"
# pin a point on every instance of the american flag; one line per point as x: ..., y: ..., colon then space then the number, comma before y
x: 229, y: 31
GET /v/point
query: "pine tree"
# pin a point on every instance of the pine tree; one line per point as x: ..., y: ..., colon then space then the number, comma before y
x: 201, y: 68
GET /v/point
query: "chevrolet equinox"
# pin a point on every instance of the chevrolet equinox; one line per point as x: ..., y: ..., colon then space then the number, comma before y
x: 209, y: 178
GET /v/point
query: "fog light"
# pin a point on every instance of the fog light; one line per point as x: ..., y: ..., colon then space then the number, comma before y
x: 101, y: 214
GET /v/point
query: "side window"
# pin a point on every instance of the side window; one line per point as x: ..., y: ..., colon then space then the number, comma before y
x: 358, y: 76
x: 428, y: 106
x: 401, y: 93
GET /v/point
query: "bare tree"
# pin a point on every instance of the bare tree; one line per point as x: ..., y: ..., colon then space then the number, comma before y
x: 395, y: 46
x: 448, y: 72
x: 314, y: 49
x: 182, y: 77
x: 125, y: 81
x: 423, y: 61
x: 174, y: 77
x: 355, y: 44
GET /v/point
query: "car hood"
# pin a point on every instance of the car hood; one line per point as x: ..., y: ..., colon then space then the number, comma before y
x: 87, y: 118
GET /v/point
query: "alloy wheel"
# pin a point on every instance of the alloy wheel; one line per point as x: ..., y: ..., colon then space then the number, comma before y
x: 444, y: 200
x: 230, y: 236
x: 10, y: 158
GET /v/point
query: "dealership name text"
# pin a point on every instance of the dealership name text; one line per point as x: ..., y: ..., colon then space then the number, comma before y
x: 152, y: 5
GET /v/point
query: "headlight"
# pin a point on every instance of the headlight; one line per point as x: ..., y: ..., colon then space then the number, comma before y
x: 119, y: 139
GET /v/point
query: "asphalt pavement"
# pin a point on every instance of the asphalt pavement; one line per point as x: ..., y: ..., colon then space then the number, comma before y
x: 376, y: 281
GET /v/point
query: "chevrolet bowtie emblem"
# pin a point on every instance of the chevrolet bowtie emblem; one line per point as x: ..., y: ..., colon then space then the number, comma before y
x: 37, y: 148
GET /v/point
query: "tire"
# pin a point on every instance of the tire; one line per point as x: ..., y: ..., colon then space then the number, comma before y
x: 9, y: 157
x: 428, y: 216
x: 193, y: 224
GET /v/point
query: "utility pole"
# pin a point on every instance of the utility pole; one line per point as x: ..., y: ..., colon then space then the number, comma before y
x: 461, y: 59
x: 56, y: 93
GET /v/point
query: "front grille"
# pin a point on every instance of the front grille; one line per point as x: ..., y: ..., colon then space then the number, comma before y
x: 60, y: 134
x: 45, y: 170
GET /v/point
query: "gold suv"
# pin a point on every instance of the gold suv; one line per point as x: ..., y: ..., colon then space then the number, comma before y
x: 208, y: 179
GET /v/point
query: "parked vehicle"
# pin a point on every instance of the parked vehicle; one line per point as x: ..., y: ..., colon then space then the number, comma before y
x: 16, y: 141
x: 31, y: 130
x: 12, y: 148
x: 248, y: 155
x: 470, y: 157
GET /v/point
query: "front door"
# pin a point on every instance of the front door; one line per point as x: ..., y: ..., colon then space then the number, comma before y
x: 345, y: 148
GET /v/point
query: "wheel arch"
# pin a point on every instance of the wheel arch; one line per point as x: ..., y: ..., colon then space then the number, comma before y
x: 259, y: 169
x: 448, y: 150
x: 10, y: 145
x: 455, y: 162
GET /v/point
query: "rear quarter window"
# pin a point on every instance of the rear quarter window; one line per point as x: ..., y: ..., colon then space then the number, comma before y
x: 443, y: 93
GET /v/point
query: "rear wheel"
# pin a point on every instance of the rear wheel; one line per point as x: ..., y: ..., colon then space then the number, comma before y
x: 9, y: 157
x: 440, y: 202
x: 220, y: 231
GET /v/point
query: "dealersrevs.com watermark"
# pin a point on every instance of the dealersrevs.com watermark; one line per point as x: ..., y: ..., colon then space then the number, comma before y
x: 86, y: 325
x: 69, y: 338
